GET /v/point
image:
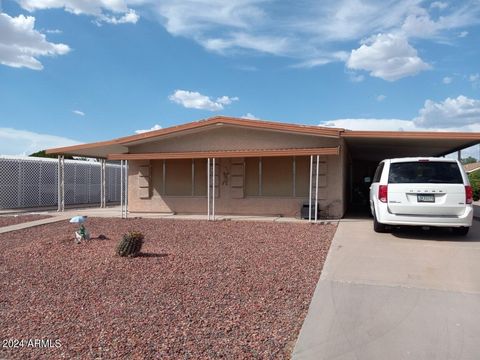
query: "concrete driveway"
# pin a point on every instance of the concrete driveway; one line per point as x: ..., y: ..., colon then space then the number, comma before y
x: 411, y: 294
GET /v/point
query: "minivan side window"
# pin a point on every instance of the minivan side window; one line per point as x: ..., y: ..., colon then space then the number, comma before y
x: 429, y: 172
x: 378, y: 172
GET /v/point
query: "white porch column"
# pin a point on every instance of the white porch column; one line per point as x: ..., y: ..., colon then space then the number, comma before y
x: 126, y: 188
x: 214, y: 190
x: 121, y: 187
x: 208, y: 189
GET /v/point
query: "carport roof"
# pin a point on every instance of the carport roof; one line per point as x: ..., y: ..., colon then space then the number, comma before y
x: 379, y: 145
x: 367, y: 145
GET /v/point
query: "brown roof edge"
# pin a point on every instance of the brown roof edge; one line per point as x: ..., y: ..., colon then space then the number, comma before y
x: 69, y: 149
x: 227, y: 154
x: 410, y: 134
x: 260, y: 124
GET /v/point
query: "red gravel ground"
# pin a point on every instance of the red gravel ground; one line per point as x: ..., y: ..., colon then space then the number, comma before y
x: 200, y: 289
x: 8, y: 220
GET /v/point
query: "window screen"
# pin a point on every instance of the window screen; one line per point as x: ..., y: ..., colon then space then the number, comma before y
x: 178, y: 177
x: 277, y: 179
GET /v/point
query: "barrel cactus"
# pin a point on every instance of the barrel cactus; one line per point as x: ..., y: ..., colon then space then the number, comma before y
x: 131, y: 244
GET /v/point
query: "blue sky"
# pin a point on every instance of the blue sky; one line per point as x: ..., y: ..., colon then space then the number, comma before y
x: 79, y: 71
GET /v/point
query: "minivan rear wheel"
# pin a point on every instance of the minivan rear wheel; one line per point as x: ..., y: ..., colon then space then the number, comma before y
x: 463, y: 230
x: 378, y: 227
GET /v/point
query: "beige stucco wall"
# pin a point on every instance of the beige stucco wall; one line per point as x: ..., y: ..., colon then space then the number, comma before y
x: 234, y: 138
x: 331, y: 192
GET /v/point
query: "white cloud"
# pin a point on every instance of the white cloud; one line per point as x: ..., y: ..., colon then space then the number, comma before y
x: 249, y: 116
x: 463, y: 34
x: 474, y: 79
x: 380, y: 98
x: 265, y: 44
x: 22, y: 142
x: 153, y: 128
x: 439, y: 5
x: 458, y: 114
x: 312, y: 33
x: 195, y: 100
x: 53, y: 31
x: 109, y: 11
x: 130, y: 17
x: 447, y: 80
x: 387, y: 56
x: 78, y: 112
x: 372, y: 124
x: 450, y: 113
x: 21, y: 44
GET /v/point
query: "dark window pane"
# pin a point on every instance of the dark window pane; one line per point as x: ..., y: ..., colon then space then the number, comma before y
x: 425, y: 172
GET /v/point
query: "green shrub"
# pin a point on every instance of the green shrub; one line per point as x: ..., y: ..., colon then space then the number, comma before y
x: 131, y: 244
x: 475, y: 182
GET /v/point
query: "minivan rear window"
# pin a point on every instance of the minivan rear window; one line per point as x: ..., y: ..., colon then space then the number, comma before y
x: 429, y: 172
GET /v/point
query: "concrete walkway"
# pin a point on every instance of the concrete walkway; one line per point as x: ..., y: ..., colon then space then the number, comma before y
x: 29, y: 224
x: 408, y: 295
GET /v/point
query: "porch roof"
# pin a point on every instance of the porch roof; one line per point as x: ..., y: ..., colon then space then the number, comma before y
x: 227, y: 154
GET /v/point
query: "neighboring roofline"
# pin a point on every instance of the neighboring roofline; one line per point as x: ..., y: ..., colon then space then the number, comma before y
x: 258, y: 124
x: 472, y: 170
x: 226, y: 154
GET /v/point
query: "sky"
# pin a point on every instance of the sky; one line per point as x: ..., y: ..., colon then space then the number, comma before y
x: 74, y: 71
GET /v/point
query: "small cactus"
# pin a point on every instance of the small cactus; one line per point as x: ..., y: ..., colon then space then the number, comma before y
x: 131, y: 244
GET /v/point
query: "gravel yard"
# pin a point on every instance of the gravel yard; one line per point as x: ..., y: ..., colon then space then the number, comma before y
x: 200, y: 289
x: 7, y: 220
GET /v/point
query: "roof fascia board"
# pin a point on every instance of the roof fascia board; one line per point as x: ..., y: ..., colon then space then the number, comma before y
x: 226, y: 154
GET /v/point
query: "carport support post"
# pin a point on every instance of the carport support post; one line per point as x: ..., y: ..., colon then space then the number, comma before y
x: 103, y: 202
x: 61, y: 183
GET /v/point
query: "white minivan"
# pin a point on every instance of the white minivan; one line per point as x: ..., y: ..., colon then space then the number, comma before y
x: 423, y: 192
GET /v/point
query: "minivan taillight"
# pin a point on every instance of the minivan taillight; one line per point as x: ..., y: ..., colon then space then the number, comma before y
x: 383, y: 193
x: 468, y: 194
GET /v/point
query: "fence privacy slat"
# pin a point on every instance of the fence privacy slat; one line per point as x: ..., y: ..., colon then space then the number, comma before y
x: 32, y: 182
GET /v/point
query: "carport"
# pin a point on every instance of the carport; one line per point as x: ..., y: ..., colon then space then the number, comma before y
x: 367, y: 148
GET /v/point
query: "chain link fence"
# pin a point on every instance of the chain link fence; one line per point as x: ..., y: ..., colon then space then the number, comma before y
x: 27, y: 182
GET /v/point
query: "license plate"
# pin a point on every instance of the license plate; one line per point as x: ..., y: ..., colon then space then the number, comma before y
x: 425, y: 198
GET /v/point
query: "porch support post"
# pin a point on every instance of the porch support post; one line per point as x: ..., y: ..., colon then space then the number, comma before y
x: 126, y: 188
x: 61, y: 183
x: 316, y: 189
x: 214, y: 191
x: 121, y: 187
x: 310, y: 191
x: 208, y: 189
x: 260, y: 166
x: 294, y: 175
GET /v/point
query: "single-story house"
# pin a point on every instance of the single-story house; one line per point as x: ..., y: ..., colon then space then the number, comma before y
x: 472, y: 167
x: 253, y: 167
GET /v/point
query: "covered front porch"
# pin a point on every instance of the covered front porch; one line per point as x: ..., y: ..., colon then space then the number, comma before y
x: 268, y: 183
